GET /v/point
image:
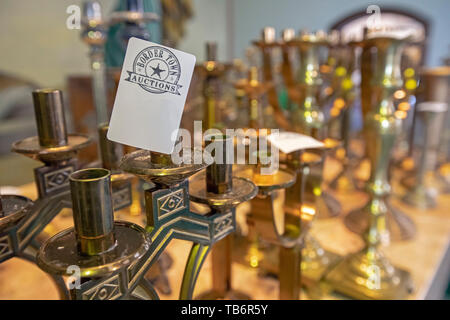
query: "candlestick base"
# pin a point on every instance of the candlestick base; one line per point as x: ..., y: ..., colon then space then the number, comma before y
x: 420, y: 197
x: 60, y: 252
x: 369, y: 275
x: 399, y: 226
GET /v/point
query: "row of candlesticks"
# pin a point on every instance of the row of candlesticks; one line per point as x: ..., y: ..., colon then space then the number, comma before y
x: 113, y: 257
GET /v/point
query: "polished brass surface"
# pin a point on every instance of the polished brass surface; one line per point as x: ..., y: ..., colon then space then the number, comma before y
x: 378, y: 121
x: 49, y: 113
x: 309, y: 118
x: 367, y: 273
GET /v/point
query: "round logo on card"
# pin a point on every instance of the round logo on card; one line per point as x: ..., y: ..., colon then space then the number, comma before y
x: 157, y: 70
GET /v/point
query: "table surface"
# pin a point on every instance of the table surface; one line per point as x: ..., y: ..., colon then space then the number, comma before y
x: 421, y: 256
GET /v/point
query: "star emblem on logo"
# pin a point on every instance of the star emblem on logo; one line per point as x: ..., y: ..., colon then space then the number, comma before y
x: 157, y: 71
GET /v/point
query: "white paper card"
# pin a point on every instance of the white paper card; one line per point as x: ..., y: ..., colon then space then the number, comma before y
x: 433, y: 106
x: 151, y: 95
x: 289, y: 142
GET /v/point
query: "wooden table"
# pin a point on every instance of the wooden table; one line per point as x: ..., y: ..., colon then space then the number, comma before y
x: 427, y: 256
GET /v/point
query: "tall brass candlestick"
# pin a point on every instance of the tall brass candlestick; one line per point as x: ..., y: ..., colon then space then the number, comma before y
x: 367, y: 274
x: 94, y: 35
x: 309, y: 118
x: 266, y: 45
x: 213, y: 71
x: 386, y: 80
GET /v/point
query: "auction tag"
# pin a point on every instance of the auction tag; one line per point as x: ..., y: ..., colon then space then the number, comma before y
x: 289, y: 142
x: 150, y: 98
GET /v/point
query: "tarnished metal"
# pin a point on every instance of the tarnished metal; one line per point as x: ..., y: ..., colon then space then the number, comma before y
x: 111, y: 153
x: 49, y: 113
x: 57, y: 150
x: 97, y: 245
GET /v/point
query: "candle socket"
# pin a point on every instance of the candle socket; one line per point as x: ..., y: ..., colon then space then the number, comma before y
x: 92, y: 210
x: 110, y: 152
x: 219, y: 174
x: 50, y: 120
x: 211, y: 51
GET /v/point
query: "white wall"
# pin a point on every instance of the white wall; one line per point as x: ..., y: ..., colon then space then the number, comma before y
x: 208, y: 24
x: 35, y: 43
x: 252, y: 15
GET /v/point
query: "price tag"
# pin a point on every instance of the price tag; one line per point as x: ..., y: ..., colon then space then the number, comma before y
x: 433, y: 106
x: 151, y: 95
x: 289, y: 142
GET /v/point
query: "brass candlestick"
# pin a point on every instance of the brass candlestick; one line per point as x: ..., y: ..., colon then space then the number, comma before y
x: 254, y: 89
x: 94, y: 34
x: 433, y: 90
x: 213, y: 72
x: 101, y: 249
x: 266, y: 45
x: 309, y: 118
x: 110, y: 154
x: 420, y: 194
x: 341, y: 111
x: 222, y: 194
x: 367, y: 274
x: 285, y: 229
x: 315, y: 259
x: 387, y: 79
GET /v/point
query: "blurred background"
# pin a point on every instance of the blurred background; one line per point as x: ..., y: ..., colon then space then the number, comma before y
x: 39, y: 50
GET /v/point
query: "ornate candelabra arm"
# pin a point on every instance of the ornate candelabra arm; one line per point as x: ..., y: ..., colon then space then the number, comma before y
x: 97, y: 248
x: 222, y: 193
